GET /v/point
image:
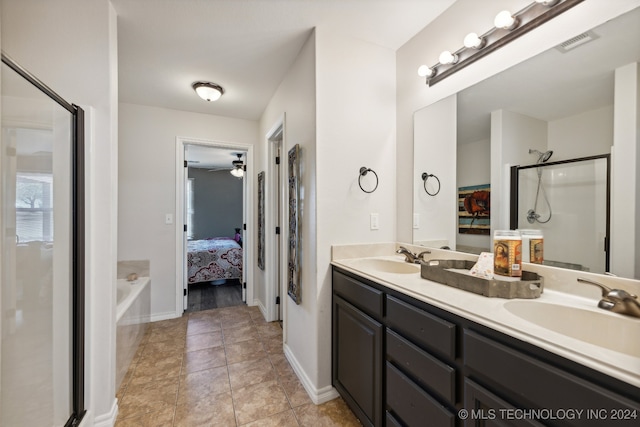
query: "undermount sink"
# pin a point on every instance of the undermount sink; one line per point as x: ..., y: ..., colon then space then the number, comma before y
x: 385, y: 266
x: 608, y: 330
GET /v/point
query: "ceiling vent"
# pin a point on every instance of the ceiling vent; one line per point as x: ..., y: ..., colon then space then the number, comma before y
x: 576, y: 41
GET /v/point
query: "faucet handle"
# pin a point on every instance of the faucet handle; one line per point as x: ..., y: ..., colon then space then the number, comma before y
x: 605, y: 289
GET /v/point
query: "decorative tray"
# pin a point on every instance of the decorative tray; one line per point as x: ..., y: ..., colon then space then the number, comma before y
x: 455, y: 273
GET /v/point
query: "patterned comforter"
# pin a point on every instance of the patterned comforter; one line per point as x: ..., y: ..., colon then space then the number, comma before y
x: 213, y: 259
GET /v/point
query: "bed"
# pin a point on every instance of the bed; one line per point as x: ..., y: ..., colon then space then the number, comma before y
x: 213, y: 259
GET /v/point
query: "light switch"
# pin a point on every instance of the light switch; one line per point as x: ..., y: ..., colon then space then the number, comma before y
x: 375, y: 221
x: 168, y: 219
x: 416, y: 220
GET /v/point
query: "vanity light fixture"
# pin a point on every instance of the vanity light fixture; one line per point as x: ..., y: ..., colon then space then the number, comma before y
x: 508, y: 27
x: 506, y: 20
x: 208, y: 91
x: 474, y: 41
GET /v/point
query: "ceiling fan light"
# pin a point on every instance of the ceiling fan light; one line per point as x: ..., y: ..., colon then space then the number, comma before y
x: 238, y: 172
x: 208, y: 91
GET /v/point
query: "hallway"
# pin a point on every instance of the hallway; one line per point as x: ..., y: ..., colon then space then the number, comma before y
x: 220, y: 367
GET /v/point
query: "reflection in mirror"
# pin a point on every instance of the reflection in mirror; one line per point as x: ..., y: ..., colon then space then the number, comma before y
x: 562, y: 199
x: 565, y: 100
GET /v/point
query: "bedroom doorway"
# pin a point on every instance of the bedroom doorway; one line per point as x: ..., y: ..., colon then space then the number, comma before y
x: 212, y: 209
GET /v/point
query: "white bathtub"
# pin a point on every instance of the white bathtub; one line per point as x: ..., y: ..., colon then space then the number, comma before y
x: 132, y: 315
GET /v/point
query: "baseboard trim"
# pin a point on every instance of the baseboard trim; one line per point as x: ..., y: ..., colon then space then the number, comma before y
x: 263, y: 309
x: 164, y: 316
x: 317, y: 396
x: 108, y: 419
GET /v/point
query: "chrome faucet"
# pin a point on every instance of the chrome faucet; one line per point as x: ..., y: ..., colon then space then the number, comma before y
x: 410, y: 256
x: 616, y: 300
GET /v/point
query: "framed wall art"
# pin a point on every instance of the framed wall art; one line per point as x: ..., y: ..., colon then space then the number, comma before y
x: 261, y: 220
x: 294, y: 276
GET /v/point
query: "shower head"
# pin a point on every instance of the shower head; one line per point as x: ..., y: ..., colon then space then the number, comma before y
x: 542, y: 157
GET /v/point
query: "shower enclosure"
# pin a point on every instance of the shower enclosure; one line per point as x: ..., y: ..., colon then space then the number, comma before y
x: 42, y: 254
x: 569, y: 201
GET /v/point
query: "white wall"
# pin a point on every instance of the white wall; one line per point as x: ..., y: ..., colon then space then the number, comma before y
x: 447, y: 32
x: 474, y: 168
x: 296, y: 99
x: 586, y: 134
x: 512, y: 135
x: 356, y: 102
x: 434, y: 152
x: 147, y: 164
x: 78, y: 59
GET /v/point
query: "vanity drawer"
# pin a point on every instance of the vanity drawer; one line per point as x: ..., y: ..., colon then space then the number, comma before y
x: 422, y: 328
x: 366, y: 298
x: 531, y: 383
x: 413, y: 405
x: 427, y: 371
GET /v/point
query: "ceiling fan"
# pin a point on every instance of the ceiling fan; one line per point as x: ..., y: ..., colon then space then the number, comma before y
x: 236, y: 168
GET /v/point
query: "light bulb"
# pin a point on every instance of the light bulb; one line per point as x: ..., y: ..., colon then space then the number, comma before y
x: 473, y: 41
x: 447, y: 57
x: 424, y: 71
x: 547, y: 3
x: 505, y: 20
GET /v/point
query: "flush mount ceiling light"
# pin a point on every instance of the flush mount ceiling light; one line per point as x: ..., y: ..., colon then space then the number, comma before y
x: 508, y: 27
x: 208, y: 91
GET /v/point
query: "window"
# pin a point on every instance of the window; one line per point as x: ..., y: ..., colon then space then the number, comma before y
x: 34, y: 211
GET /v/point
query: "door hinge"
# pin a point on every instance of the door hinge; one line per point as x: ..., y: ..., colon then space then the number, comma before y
x: 185, y: 163
x: 244, y: 227
x: 277, y: 230
x: 244, y: 285
x: 277, y: 300
x: 277, y: 160
x: 184, y: 292
x: 185, y: 228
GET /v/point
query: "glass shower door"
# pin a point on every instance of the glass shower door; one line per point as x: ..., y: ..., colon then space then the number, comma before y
x: 37, y: 269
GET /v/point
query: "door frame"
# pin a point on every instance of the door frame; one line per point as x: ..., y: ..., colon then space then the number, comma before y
x: 276, y: 265
x: 247, y: 253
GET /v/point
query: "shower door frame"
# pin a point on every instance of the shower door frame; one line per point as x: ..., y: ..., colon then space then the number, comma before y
x: 513, y: 214
x: 77, y: 238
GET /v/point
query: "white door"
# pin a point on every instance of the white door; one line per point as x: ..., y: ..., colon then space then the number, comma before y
x: 187, y: 211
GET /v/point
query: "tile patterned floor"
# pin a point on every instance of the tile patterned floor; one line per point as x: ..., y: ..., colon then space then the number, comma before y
x: 220, y: 367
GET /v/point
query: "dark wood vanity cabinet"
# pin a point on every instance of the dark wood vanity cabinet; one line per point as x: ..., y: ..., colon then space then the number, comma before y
x: 398, y: 361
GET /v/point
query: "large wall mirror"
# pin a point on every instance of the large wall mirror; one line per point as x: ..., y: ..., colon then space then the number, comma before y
x: 554, y: 107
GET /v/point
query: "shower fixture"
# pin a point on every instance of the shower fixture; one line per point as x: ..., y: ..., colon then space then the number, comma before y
x: 542, y: 157
x: 532, y: 214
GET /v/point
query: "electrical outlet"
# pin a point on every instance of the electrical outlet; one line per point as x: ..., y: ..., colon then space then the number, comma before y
x: 168, y: 219
x: 375, y: 221
x: 416, y: 220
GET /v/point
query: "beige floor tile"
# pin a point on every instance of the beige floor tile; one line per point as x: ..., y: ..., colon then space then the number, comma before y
x: 282, y: 367
x: 211, y: 411
x: 242, y: 374
x: 146, y: 398
x: 160, y: 349
x: 283, y: 419
x: 201, y: 384
x: 162, y: 418
x: 273, y: 345
x: 232, y: 322
x: 203, y: 325
x: 201, y: 341
x: 177, y: 336
x: 243, y: 333
x: 156, y: 368
x: 200, y: 360
x: 334, y: 413
x: 271, y: 329
x: 296, y: 392
x: 257, y: 401
x: 244, y: 350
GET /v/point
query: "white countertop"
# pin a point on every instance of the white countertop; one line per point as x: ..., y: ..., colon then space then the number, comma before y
x: 492, y: 313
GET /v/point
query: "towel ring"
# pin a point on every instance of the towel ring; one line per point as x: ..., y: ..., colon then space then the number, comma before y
x: 363, y: 171
x: 425, y: 178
